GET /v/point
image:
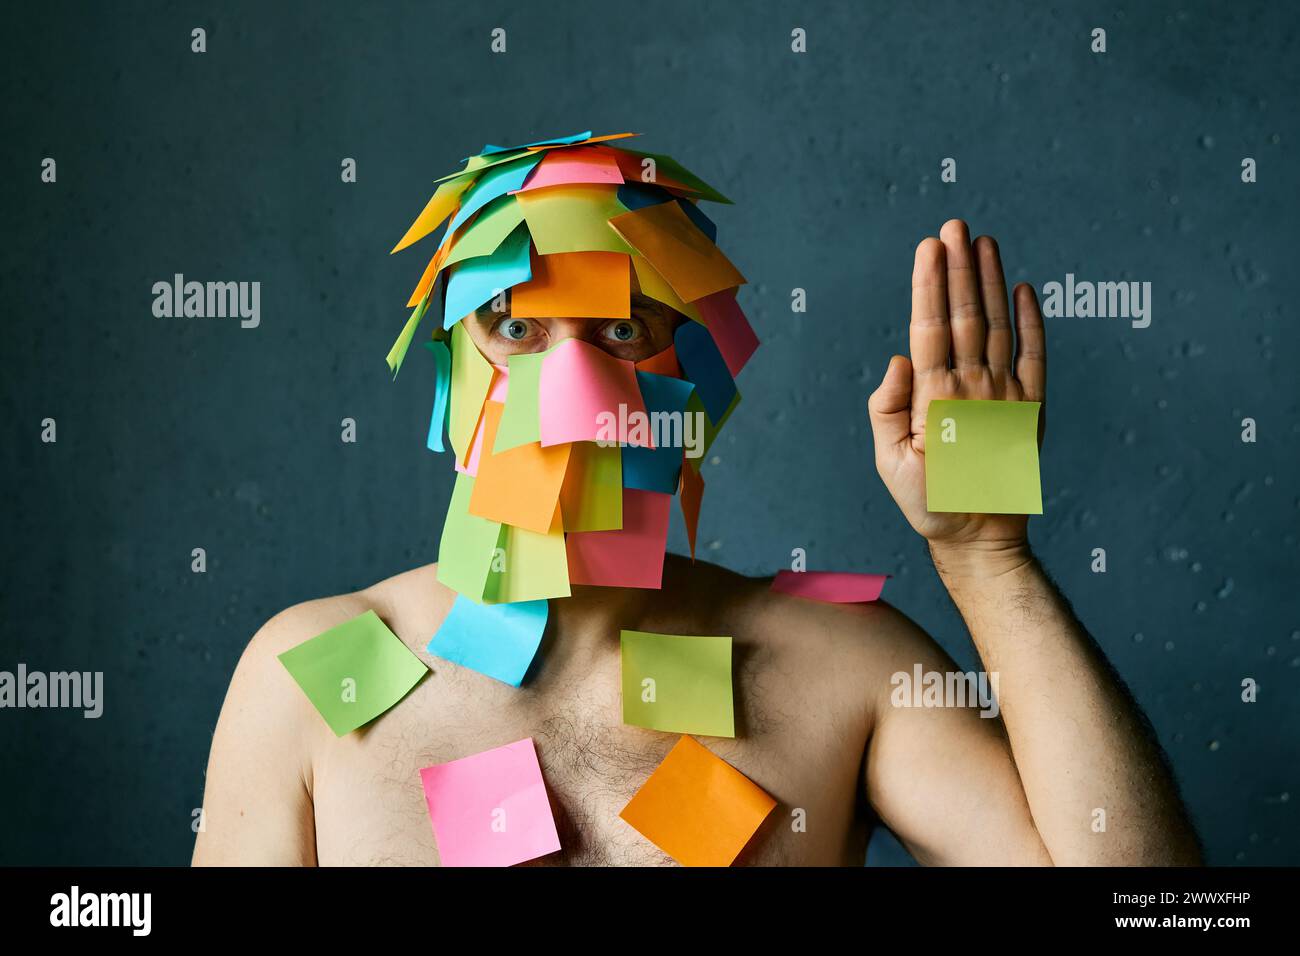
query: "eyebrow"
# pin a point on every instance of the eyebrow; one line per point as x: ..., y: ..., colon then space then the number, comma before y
x: 485, y: 314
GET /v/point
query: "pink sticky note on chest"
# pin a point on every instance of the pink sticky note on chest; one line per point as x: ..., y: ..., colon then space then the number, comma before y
x: 586, y: 394
x: 832, y: 587
x: 491, y: 809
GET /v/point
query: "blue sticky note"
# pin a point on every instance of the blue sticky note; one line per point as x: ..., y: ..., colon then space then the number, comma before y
x: 639, y: 195
x: 441, y: 389
x: 499, y: 640
x: 658, y: 468
x: 493, y: 184
x: 490, y: 150
x: 476, y: 280
x: 704, y: 365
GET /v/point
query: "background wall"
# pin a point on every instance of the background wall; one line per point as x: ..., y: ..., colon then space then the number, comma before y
x: 183, y: 433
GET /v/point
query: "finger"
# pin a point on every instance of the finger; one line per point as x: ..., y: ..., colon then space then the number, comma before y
x: 1031, y: 344
x: 890, y: 407
x: 965, y: 312
x: 993, y: 296
x: 929, y: 333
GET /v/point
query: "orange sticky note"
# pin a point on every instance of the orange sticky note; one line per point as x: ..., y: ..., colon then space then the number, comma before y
x: 692, y: 494
x: 698, y: 808
x: 521, y: 486
x: 589, y: 285
x: 685, y: 257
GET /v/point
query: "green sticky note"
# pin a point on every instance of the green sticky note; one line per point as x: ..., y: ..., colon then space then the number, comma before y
x: 693, y: 407
x: 471, y: 378
x: 528, y: 567
x: 573, y: 218
x: 591, y: 498
x: 354, y: 672
x: 399, y: 349
x: 488, y: 230
x: 677, y: 683
x: 468, y: 544
x: 981, y: 457
x: 520, y: 423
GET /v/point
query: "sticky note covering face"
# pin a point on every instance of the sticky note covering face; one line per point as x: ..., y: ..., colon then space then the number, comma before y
x: 633, y: 556
x: 354, y: 672
x: 499, y: 640
x: 521, y: 486
x: 581, y: 390
x: 831, y: 587
x: 981, y: 457
x: 490, y: 809
x: 677, y: 683
x: 697, y: 808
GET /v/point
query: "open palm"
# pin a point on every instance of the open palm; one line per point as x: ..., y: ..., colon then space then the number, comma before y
x: 962, y: 347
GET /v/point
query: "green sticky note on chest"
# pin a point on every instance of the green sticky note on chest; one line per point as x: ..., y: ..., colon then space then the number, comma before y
x: 678, y: 683
x: 981, y: 457
x: 354, y: 672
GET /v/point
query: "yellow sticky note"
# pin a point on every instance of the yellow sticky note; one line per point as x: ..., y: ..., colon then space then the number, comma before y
x: 573, y: 219
x: 981, y: 457
x: 678, y: 683
x: 471, y: 379
x: 591, y: 498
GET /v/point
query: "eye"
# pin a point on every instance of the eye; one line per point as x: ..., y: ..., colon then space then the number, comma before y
x: 516, y: 330
x: 623, y: 332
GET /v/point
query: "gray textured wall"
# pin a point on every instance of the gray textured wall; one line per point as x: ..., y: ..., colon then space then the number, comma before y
x: 175, y: 434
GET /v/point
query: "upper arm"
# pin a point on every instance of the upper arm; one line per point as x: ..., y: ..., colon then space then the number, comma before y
x: 943, y: 778
x: 257, y: 806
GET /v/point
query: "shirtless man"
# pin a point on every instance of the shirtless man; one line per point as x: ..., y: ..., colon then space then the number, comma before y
x: 815, y: 727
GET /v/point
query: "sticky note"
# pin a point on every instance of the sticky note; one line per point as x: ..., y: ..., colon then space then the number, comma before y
x: 831, y: 587
x: 471, y: 379
x: 662, y: 363
x: 704, y: 365
x: 711, y: 428
x: 592, y: 285
x: 677, y: 683
x: 573, y: 219
x: 519, y: 422
x: 580, y: 393
x: 490, y: 185
x: 499, y: 640
x: 490, y: 809
x: 652, y: 284
x: 520, y: 486
x: 686, y: 258
x: 529, y: 566
x: 354, y: 672
x: 442, y: 389
x: 981, y: 457
x: 729, y: 328
x: 468, y: 545
x: 667, y: 168
x: 698, y: 808
x: 579, y: 164
x: 475, y: 281
x: 591, y: 498
x: 439, y: 207
x: 571, y: 138
x: 633, y: 556
x: 659, y: 468
x: 398, y: 352
x: 692, y: 495
x: 497, y: 220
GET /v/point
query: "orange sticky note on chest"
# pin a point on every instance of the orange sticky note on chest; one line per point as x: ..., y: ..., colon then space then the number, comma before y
x: 698, y: 808
x: 520, y: 486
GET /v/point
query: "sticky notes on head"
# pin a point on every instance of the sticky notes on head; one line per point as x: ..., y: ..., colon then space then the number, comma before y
x: 586, y: 394
x: 697, y: 808
x: 831, y: 587
x: 499, y: 640
x: 677, y: 683
x: 354, y: 672
x: 981, y: 457
x: 490, y: 809
x: 687, y: 258
x: 476, y: 281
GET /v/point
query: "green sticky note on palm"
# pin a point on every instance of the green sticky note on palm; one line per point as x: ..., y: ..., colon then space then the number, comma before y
x: 981, y: 457
x: 354, y: 672
x: 677, y: 683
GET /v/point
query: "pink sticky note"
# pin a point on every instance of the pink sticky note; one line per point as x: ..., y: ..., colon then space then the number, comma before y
x: 833, y: 587
x: 731, y: 331
x: 586, y: 394
x: 574, y: 165
x: 632, y: 557
x: 490, y: 809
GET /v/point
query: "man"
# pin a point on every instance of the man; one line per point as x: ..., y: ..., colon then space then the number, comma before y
x: 1067, y: 774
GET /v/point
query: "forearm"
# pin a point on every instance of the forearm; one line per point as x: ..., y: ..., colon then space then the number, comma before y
x: 1081, y: 746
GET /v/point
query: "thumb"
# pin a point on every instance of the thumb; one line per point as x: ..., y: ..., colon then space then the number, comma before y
x: 890, y: 406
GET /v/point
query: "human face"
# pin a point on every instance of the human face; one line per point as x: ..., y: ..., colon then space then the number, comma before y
x: 646, y: 332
